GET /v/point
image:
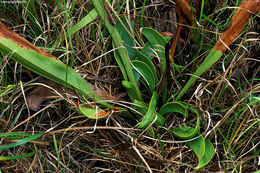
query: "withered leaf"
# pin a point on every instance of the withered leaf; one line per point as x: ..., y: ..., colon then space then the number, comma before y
x: 239, y: 20
x: 184, y: 11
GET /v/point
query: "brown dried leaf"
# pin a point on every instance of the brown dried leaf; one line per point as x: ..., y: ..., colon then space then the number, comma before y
x: 239, y: 20
x: 184, y: 11
x: 42, y: 93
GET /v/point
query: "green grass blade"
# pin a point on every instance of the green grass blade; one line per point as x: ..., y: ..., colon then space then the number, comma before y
x: 32, y: 137
x: 81, y: 24
x: 84, y: 21
x: 6, y: 89
x: 208, y: 19
x: 142, y: 14
x: 66, y: 13
x: 17, y: 157
x: 244, y: 132
x: 33, y: 20
x: 55, y: 143
x: 14, y: 134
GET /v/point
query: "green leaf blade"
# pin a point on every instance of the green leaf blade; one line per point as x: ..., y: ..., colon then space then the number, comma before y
x: 211, y: 58
x: 203, y: 149
x: 21, y: 142
x: 92, y: 113
x: 147, y: 74
x: 48, y: 67
x: 18, y: 156
x: 174, y: 107
x: 151, y: 113
x: 157, y: 41
x: 132, y: 90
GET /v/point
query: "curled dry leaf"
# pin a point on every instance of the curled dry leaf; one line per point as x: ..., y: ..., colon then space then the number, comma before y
x: 42, y: 93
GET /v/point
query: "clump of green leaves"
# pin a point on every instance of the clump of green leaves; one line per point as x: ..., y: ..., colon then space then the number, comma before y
x: 145, y: 71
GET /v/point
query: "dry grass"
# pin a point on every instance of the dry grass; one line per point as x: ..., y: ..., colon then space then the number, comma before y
x: 73, y: 143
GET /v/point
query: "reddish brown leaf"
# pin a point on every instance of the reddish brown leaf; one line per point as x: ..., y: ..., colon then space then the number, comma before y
x: 102, y: 114
x: 184, y: 11
x: 5, y: 32
x: 239, y: 20
x: 175, y: 39
x: 166, y: 34
x: 115, y: 109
